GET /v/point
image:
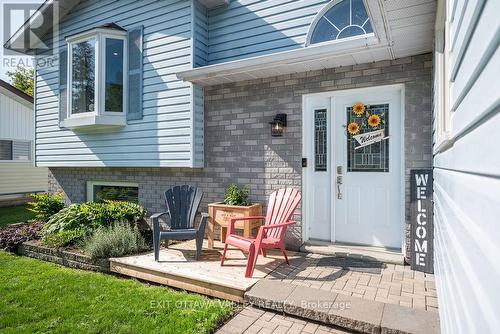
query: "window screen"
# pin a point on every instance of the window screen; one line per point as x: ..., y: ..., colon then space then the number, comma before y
x: 5, y: 149
x: 21, y: 150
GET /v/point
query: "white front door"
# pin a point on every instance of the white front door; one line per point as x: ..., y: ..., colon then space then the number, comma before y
x: 354, y: 193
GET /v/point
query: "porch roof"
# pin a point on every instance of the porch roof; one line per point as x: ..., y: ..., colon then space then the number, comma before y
x: 401, y: 28
x: 314, y: 57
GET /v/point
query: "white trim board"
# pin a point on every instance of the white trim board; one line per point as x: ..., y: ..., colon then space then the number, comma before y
x: 292, y: 61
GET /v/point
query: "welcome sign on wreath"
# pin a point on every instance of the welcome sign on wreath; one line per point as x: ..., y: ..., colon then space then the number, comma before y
x: 366, y: 126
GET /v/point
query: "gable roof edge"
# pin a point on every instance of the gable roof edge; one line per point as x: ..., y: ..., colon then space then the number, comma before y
x: 45, y: 10
x: 17, y: 93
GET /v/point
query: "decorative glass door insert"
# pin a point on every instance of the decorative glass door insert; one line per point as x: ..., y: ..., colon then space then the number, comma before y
x: 320, y: 140
x: 365, y: 120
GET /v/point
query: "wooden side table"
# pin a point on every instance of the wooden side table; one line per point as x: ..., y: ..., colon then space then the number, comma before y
x: 221, y: 214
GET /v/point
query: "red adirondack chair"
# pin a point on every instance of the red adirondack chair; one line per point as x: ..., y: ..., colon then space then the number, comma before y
x: 271, y: 235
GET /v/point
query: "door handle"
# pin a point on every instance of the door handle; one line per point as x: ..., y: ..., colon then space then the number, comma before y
x: 339, y: 183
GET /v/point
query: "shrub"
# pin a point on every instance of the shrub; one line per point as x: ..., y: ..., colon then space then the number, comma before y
x: 117, y: 240
x: 66, y: 227
x: 14, y: 235
x: 237, y: 196
x: 77, y: 221
x: 119, y: 211
x: 45, y: 205
x: 63, y: 238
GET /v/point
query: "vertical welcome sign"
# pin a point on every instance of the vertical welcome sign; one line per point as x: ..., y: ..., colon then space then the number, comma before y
x: 421, y: 215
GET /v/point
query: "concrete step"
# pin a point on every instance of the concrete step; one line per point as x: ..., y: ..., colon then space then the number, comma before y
x: 366, y: 253
x: 347, y: 312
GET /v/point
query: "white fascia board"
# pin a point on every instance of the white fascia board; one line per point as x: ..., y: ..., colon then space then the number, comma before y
x: 41, y: 15
x: 16, y: 98
x: 313, y: 52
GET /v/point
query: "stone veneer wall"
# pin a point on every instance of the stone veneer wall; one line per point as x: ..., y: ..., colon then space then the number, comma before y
x: 238, y: 143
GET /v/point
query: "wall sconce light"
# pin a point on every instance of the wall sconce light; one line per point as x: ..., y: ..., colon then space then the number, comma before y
x: 278, y: 125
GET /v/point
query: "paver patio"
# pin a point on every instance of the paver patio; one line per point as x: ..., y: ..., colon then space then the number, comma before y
x: 377, y: 296
x: 387, y: 283
x: 252, y: 320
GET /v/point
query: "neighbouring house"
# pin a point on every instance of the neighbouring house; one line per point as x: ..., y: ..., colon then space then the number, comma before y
x: 18, y: 175
x: 149, y: 94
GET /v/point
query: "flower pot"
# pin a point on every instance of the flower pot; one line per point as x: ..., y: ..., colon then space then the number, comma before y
x: 220, y: 214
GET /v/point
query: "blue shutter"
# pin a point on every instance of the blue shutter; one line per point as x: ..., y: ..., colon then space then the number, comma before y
x: 63, y: 77
x: 134, y: 74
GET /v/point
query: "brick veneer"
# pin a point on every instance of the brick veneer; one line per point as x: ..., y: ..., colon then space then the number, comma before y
x: 238, y: 144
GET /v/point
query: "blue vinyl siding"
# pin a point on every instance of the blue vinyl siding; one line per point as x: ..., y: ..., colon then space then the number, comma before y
x: 250, y: 28
x: 467, y: 175
x: 200, y: 35
x: 164, y: 136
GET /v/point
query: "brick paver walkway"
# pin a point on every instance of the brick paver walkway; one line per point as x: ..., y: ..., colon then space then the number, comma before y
x: 387, y: 283
x: 252, y: 320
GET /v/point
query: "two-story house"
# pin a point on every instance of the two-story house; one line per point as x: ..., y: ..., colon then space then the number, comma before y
x: 148, y: 94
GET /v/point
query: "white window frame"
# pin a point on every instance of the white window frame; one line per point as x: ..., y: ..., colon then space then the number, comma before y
x: 91, y: 184
x: 368, y: 38
x: 442, y: 82
x: 100, y: 35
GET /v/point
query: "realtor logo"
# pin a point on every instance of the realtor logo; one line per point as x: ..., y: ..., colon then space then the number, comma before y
x: 421, y: 215
x: 32, y: 40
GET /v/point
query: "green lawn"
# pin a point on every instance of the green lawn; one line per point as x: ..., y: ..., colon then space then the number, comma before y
x: 15, y: 214
x: 41, y: 297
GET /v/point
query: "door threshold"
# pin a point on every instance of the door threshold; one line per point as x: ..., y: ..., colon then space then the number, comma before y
x: 359, y: 252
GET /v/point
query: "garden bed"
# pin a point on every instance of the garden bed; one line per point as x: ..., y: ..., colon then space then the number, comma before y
x: 65, y: 257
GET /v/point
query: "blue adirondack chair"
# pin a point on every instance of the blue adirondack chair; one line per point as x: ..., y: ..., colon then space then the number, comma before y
x: 182, y: 205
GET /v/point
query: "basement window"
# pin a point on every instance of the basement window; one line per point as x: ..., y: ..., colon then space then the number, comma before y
x: 96, y: 78
x: 99, y: 191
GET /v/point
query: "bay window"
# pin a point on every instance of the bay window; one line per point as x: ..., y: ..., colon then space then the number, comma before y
x: 96, y: 78
x: 114, y: 62
x: 83, y: 76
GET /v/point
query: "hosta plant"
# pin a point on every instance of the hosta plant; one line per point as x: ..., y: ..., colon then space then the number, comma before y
x: 74, y: 223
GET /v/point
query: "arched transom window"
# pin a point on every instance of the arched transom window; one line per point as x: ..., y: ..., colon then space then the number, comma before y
x: 346, y: 18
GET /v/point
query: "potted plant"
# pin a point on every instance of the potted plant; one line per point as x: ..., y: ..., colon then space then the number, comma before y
x: 236, y: 204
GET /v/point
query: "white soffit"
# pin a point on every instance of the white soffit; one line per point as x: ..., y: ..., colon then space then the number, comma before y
x: 403, y: 28
x: 411, y: 25
x: 315, y: 57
